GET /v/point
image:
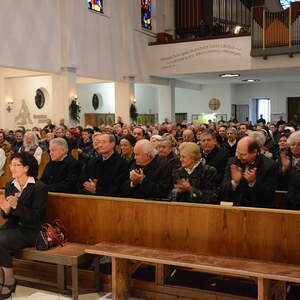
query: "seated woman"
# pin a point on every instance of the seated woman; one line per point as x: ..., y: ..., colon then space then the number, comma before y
x: 31, y: 145
x: 24, y: 208
x: 194, y: 182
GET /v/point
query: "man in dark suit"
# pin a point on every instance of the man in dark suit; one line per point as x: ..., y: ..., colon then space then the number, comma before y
x: 214, y: 156
x: 231, y: 143
x: 62, y: 172
x: 250, y: 178
x: 150, y: 175
x: 105, y: 173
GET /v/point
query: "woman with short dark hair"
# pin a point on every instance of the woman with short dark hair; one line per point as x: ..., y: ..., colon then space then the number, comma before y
x: 24, y: 208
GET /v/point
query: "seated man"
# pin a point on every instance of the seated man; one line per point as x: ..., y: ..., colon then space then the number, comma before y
x: 165, y: 150
x: 150, y: 175
x: 105, y: 173
x: 250, y: 178
x: 214, y: 156
x: 62, y: 172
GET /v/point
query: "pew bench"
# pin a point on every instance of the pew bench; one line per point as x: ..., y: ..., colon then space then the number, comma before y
x: 271, y: 277
x: 72, y: 254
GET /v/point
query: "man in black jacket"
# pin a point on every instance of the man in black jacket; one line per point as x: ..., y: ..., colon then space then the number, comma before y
x: 62, y: 172
x: 250, y: 178
x: 214, y: 156
x: 150, y: 175
x: 104, y: 174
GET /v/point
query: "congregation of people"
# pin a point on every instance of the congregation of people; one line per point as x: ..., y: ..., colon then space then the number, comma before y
x: 202, y: 163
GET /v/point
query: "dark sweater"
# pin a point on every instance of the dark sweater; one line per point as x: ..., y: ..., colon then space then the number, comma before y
x: 62, y: 176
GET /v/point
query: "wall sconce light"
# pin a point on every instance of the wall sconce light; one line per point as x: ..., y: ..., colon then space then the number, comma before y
x: 9, y: 102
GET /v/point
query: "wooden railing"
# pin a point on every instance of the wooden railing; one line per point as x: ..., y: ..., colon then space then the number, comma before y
x: 275, y: 33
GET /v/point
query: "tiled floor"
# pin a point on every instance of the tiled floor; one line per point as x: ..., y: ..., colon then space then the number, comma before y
x: 25, y: 293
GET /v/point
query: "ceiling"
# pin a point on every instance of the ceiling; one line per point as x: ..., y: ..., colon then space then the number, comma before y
x: 267, y: 75
x: 15, y: 73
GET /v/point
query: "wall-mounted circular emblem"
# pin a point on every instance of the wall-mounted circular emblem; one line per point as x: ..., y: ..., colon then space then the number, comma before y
x: 214, y: 104
x: 97, y: 101
x: 39, y: 98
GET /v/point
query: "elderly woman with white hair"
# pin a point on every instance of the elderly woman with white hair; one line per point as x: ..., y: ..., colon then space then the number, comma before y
x: 290, y: 170
x: 194, y: 182
x: 31, y: 145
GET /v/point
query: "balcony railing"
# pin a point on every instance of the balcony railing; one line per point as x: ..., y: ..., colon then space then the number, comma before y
x: 275, y: 33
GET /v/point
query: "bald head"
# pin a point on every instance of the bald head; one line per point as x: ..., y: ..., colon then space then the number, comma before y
x: 188, y: 135
x: 247, y: 150
x: 144, y: 152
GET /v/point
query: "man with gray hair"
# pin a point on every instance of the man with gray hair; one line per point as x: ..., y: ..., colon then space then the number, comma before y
x: 61, y: 173
x: 150, y: 175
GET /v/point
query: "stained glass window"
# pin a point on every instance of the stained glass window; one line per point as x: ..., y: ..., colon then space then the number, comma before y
x: 287, y: 3
x: 96, y: 5
x: 146, y: 14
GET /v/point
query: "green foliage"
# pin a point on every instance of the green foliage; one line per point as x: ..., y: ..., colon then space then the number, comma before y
x: 133, y: 112
x: 74, y: 110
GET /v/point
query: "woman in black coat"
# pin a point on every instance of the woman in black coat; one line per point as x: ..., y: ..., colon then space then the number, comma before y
x: 24, y: 208
x: 194, y: 182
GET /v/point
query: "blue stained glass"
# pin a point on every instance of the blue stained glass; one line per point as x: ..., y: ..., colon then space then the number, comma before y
x: 146, y: 14
x: 96, y: 5
x: 286, y: 3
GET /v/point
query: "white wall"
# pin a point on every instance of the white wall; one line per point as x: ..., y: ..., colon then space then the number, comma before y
x: 196, y: 102
x: 50, y: 34
x: 31, y: 31
x: 276, y: 91
x: 146, y: 99
x: 85, y: 94
x: 25, y: 88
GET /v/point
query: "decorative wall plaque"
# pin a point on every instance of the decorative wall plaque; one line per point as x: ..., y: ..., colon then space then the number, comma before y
x: 39, y: 98
x: 97, y: 101
x: 214, y: 104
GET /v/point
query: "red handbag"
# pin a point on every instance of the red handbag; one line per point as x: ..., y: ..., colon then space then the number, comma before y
x: 51, y: 235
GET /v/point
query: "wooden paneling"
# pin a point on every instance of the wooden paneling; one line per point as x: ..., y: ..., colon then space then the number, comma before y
x: 201, y: 229
x: 293, y: 108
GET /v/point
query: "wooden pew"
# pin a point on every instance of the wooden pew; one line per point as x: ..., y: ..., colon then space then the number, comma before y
x: 7, y: 174
x: 251, y: 234
x: 75, y: 153
x: 44, y: 161
x: 265, y: 235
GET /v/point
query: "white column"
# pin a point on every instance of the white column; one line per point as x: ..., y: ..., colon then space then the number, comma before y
x: 64, y: 90
x: 166, y: 102
x: 124, y: 95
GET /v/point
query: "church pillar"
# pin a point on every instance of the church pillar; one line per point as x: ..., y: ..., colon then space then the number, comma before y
x: 64, y: 91
x: 124, y: 97
x: 166, y: 102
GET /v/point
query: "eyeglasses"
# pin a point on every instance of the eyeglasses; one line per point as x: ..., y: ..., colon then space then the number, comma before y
x: 295, y: 145
x: 15, y: 165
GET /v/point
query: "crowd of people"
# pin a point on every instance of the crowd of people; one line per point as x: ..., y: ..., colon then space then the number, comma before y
x: 204, y: 163
x: 201, y: 163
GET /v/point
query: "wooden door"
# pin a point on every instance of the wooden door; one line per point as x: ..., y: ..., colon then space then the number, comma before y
x: 90, y: 119
x: 293, y: 108
x: 181, y: 117
x: 242, y: 113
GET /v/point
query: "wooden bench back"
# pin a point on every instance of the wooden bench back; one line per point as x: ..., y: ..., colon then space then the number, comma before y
x: 265, y: 234
x: 44, y: 161
x: 7, y: 173
x: 75, y: 153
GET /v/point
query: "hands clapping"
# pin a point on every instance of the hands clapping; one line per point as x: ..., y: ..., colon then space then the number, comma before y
x: 137, y: 176
x: 183, y: 185
x: 237, y: 174
x: 6, y: 203
x: 90, y: 185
